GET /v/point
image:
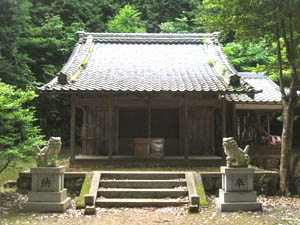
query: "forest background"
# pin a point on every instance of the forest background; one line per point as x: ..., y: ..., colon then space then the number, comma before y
x: 37, y: 37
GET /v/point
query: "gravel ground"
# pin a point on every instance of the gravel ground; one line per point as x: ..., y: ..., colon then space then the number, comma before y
x: 276, y: 210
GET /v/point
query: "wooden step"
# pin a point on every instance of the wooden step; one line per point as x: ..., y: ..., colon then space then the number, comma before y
x: 141, y: 192
x: 139, y: 202
x: 143, y: 183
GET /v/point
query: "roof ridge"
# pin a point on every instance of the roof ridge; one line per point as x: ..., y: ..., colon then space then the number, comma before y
x: 252, y: 74
x: 151, y: 37
x: 96, y: 34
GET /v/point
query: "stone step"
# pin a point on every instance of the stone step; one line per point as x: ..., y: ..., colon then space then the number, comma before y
x: 142, y: 183
x: 141, y: 193
x: 139, y: 202
x: 142, y: 175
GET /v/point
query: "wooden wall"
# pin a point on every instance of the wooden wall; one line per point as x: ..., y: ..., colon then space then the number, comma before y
x: 201, y: 128
x: 94, y: 131
x: 198, y: 129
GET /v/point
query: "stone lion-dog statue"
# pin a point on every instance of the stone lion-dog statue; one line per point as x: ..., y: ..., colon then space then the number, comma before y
x: 49, y: 153
x: 236, y: 157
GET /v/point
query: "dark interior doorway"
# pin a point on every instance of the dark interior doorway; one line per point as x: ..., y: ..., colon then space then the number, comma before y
x: 148, y: 123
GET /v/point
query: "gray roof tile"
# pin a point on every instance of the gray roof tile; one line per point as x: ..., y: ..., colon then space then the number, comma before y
x: 270, y: 91
x: 147, y: 62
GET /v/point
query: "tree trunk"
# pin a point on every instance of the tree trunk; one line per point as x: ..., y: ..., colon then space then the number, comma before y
x: 286, y: 142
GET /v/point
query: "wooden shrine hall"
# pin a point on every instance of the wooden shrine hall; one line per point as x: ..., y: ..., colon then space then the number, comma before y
x: 160, y: 97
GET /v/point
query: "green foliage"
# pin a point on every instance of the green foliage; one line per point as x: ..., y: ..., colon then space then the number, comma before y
x: 255, y: 21
x: 248, y: 57
x: 257, y: 57
x: 187, y: 23
x: 96, y: 14
x: 262, y: 186
x: 17, y: 132
x: 93, y: 13
x: 126, y: 21
x: 156, y: 12
x: 180, y: 25
x: 48, y: 46
x: 14, y: 17
x: 54, y: 113
x: 12, y: 171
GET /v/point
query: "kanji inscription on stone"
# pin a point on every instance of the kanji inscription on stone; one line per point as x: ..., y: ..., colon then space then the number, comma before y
x: 240, y: 182
x: 46, y: 182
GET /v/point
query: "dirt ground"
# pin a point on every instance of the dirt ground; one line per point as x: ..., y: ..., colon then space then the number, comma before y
x: 276, y: 210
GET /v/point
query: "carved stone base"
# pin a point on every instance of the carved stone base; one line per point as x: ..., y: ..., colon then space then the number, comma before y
x: 47, y: 190
x: 237, y: 179
x: 237, y: 191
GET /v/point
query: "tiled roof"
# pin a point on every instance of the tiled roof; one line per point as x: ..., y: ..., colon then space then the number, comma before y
x: 148, y: 62
x: 270, y: 91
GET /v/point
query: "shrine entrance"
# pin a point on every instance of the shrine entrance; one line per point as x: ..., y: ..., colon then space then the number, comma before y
x: 147, y: 124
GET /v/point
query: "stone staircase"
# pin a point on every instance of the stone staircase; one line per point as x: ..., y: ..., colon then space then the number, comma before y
x: 142, y: 189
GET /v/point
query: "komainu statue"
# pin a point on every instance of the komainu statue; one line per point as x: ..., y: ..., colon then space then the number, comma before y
x: 236, y: 157
x: 49, y: 153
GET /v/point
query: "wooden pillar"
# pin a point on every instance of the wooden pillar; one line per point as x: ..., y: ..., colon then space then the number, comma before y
x: 213, y: 131
x: 233, y: 121
x: 181, y: 130
x: 149, y: 121
x: 110, y: 126
x: 186, y: 132
x: 84, y: 130
x: 268, y: 121
x: 117, y: 130
x: 224, y: 118
x: 73, y: 126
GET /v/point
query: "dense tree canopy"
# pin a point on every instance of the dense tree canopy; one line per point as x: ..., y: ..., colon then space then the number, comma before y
x: 15, y: 19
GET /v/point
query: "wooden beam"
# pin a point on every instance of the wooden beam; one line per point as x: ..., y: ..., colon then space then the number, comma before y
x: 259, y: 106
x: 186, y: 132
x: 110, y: 126
x: 73, y: 126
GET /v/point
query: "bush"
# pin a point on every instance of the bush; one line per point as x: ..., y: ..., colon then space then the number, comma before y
x: 17, y: 131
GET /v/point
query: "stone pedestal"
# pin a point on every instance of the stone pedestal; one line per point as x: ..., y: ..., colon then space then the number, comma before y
x: 237, y: 190
x: 47, y: 190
